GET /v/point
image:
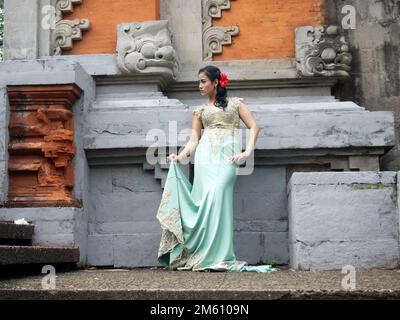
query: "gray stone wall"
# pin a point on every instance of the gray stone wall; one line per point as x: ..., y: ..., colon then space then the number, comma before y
x: 375, y: 75
x: 260, y: 216
x: 53, y: 226
x: 4, y: 119
x: 124, y: 232
x: 346, y: 218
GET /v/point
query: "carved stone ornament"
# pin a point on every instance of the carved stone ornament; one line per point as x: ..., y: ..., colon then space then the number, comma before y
x: 215, y: 37
x: 322, y: 51
x: 145, y: 48
x: 66, y: 31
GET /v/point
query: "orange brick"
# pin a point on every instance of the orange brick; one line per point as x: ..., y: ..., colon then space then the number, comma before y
x: 104, y: 16
x: 267, y: 27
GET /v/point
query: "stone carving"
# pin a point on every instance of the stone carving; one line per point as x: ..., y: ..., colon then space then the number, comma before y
x: 322, y: 51
x: 41, y: 146
x: 215, y: 37
x: 392, y: 7
x: 66, y: 31
x: 385, y: 12
x: 146, y: 48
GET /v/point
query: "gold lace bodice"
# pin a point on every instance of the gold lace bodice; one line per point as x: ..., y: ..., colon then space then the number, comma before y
x: 214, y: 117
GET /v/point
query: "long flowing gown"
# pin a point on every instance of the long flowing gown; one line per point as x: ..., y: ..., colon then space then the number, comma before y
x: 197, y: 220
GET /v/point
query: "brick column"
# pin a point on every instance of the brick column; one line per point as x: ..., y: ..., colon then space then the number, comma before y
x: 41, y: 145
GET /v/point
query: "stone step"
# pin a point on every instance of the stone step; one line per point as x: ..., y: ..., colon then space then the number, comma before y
x: 165, y: 166
x: 159, y: 173
x: 15, y: 234
x: 148, y: 166
x: 151, y: 283
x: 13, y: 255
x: 183, y: 294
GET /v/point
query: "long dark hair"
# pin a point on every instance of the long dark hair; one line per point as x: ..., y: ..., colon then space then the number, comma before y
x: 213, y: 73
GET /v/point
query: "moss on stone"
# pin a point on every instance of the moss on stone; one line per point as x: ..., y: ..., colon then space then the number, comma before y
x: 393, y: 196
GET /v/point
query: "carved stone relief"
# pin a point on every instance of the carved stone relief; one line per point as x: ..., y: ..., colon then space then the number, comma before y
x: 41, y: 147
x: 146, y: 47
x: 215, y: 37
x: 322, y: 51
x: 66, y: 31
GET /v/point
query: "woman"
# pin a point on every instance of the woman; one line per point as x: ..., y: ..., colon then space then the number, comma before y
x: 197, y: 220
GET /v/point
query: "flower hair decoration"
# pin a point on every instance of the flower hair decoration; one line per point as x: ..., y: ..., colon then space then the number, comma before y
x: 223, y: 81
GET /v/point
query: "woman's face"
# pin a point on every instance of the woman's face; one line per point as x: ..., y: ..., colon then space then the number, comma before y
x: 205, y: 85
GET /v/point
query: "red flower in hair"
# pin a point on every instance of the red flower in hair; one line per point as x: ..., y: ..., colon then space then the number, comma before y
x: 223, y: 81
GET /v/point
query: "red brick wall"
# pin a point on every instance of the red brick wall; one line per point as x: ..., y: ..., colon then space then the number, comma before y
x: 104, y: 16
x: 267, y: 27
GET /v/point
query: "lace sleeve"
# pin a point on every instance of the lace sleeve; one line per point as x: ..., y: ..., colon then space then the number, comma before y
x: 238, y: 102
x: 198, y: 111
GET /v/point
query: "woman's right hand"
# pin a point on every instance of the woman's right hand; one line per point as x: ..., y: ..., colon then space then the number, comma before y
x: 172, y: 157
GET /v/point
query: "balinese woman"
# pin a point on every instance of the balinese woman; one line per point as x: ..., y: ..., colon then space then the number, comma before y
x: 197, y: 219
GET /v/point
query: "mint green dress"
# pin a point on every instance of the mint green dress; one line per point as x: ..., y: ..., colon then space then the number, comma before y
x: 197, y: 220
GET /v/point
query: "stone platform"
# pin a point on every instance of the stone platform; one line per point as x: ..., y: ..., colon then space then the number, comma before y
x: 158, y: 283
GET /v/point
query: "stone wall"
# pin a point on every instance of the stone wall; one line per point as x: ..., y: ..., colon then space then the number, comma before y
x: 124, y: 232
x: 54, y: 225
x: 375, y: 46
x: 346, y: 218
x: 4, y: 139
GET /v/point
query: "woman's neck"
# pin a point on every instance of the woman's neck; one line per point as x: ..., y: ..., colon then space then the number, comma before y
x: 211, y: 98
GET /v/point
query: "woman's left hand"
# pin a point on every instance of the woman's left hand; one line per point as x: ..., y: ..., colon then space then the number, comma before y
x: 239, y: 157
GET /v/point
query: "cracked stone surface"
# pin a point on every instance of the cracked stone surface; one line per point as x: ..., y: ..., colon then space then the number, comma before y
x: 158, y: 283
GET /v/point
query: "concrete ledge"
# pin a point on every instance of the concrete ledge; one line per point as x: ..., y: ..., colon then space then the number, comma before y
x: 196, y: 295
x: 10, y: 255
x: 10, y: 230
x: 46, y: 72
x: 283, y: 127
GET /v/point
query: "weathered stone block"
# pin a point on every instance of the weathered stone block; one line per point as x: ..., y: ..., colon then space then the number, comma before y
x: 343, y: 218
